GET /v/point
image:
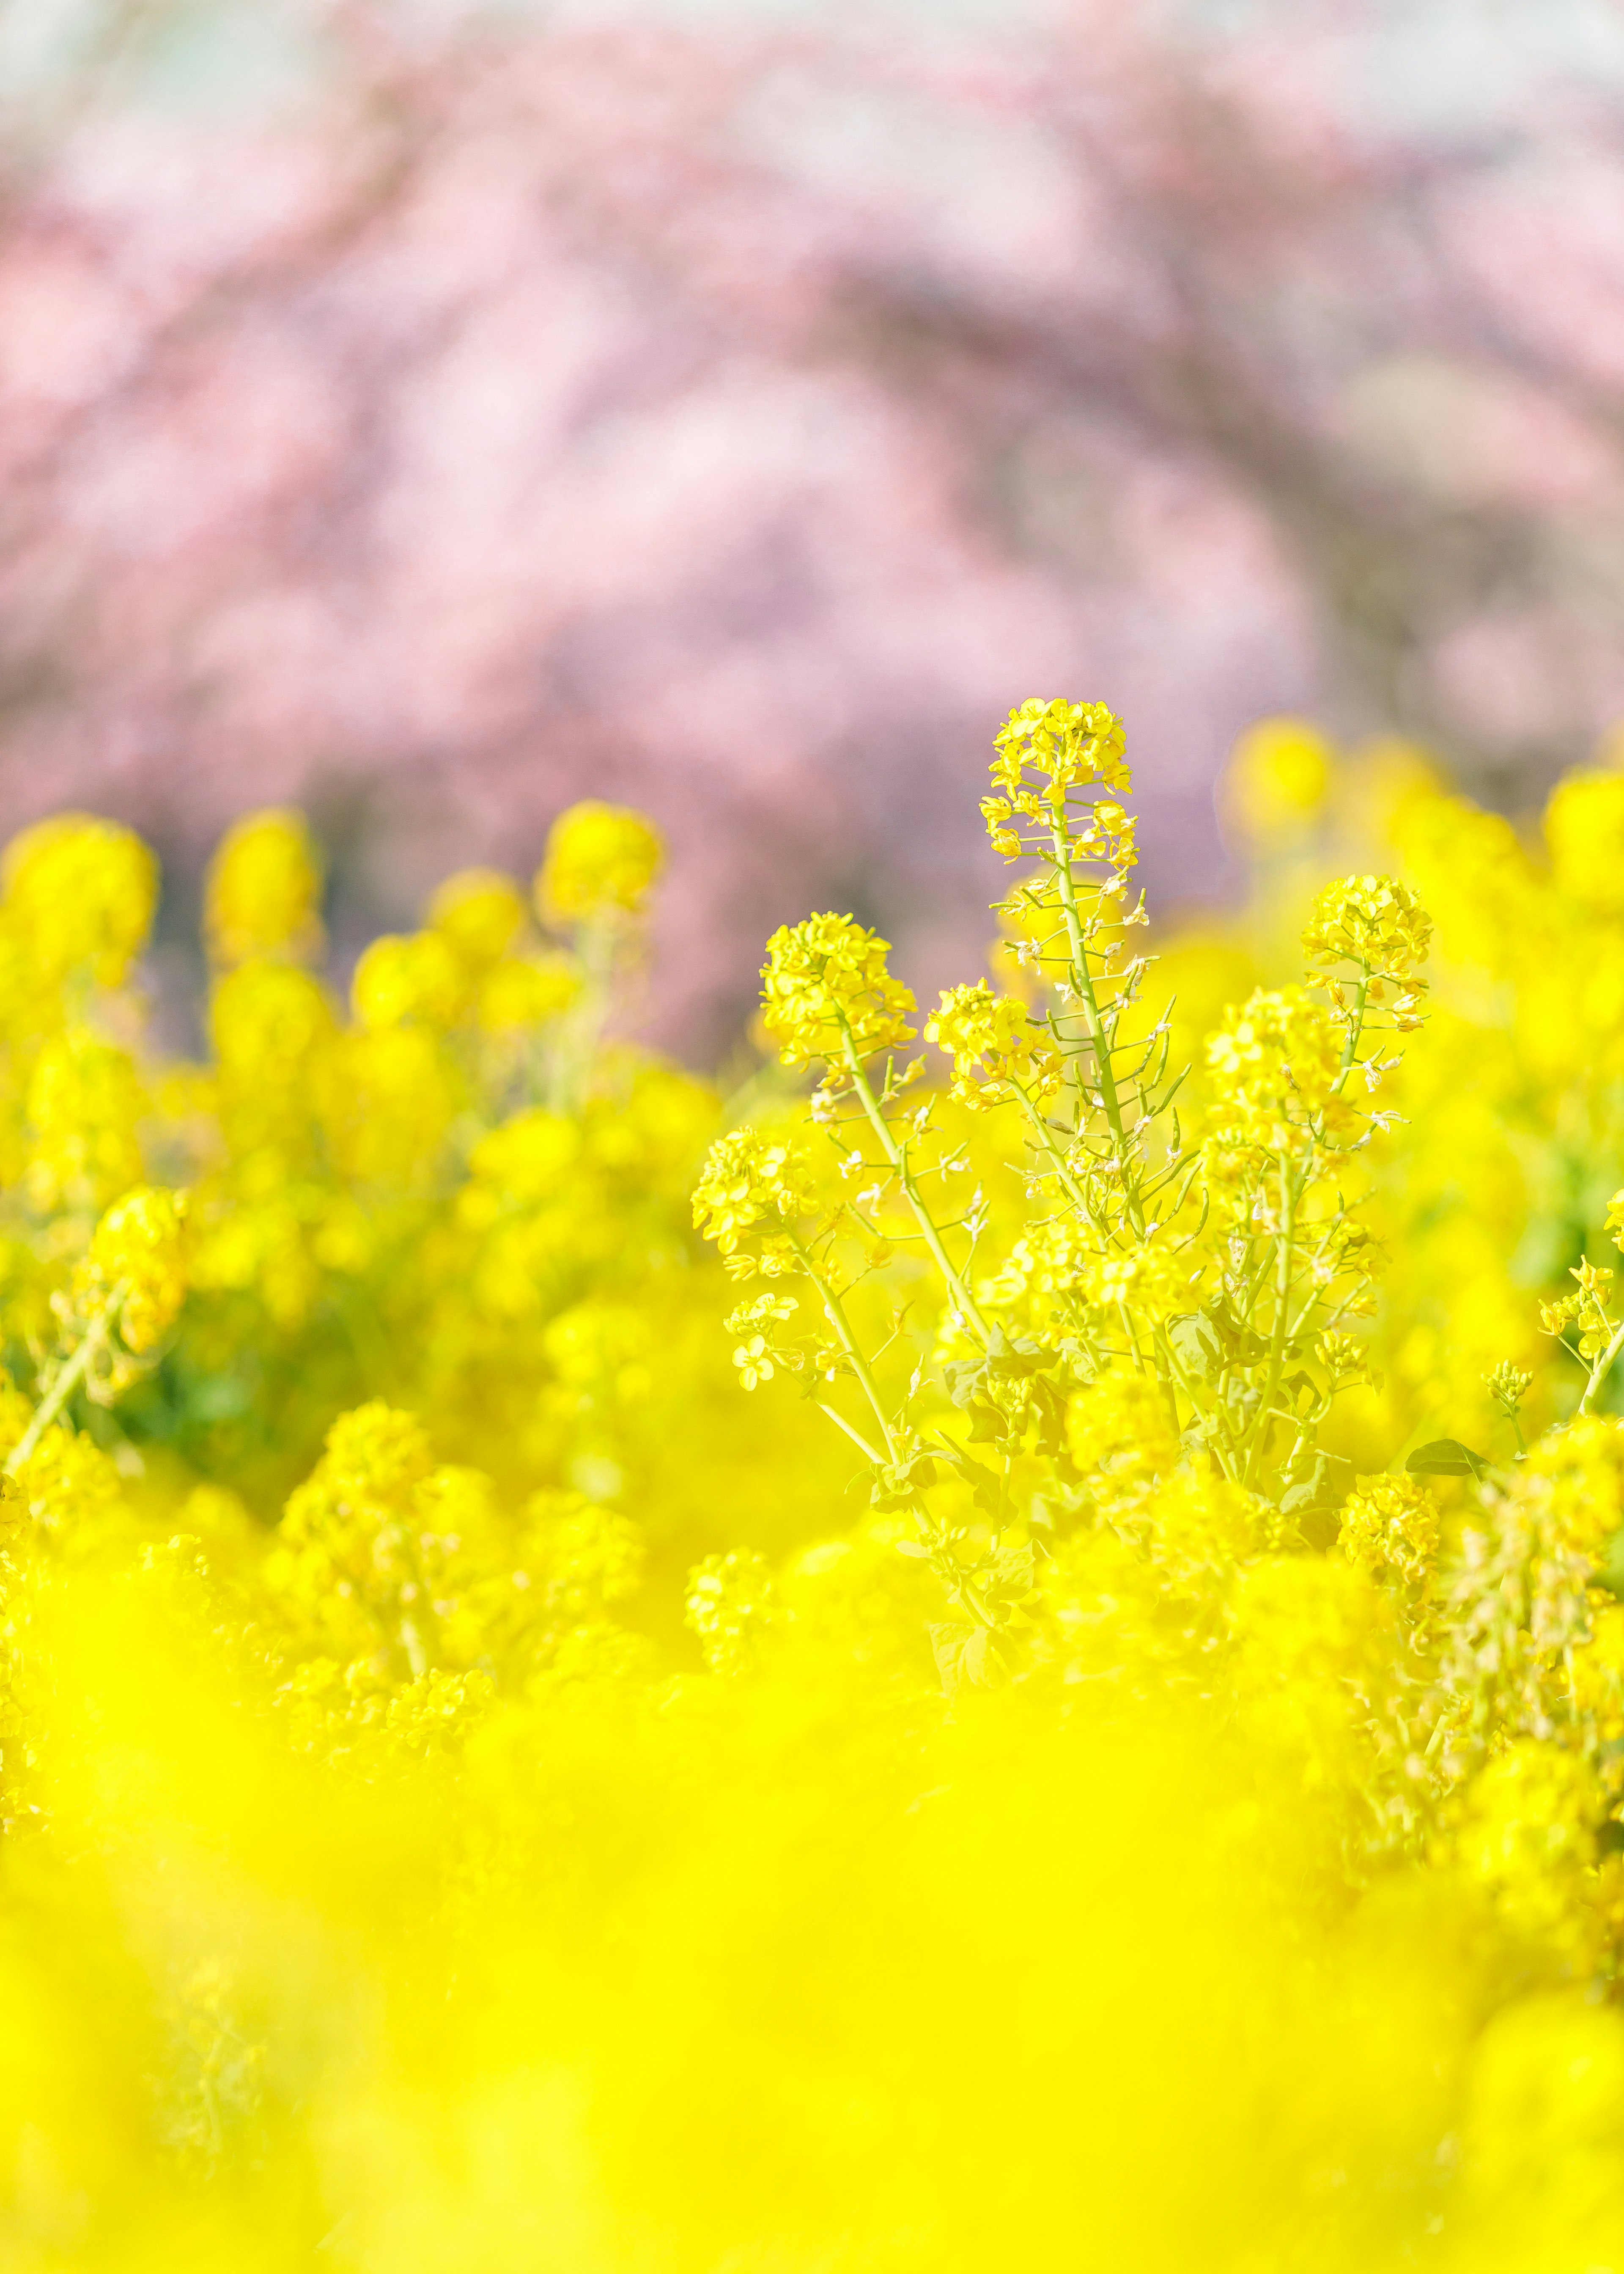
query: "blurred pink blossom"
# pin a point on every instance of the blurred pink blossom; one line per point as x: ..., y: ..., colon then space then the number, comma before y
x: 737, y: 422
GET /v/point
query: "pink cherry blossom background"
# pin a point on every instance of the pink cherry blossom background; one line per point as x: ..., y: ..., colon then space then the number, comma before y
x: 737, y: 420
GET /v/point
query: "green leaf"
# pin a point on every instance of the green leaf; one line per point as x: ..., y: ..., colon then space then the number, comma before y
x: 965, y: 1654
x: 900, y: 1483
x: 1209, y: 1341
x: 1446, y: 1457
x: 1022, y: 1356
x: 964, y: 1378
x: 1049, y: 1412
x: 1326, y: 1486
x: 1014, y: 1572
x: 985, y: 1484
x: 1196, y: 1346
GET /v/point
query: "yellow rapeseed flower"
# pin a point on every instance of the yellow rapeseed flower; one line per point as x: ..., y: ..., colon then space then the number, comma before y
x: 600, y: 861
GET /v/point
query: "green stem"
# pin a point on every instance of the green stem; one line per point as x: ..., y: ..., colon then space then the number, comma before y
x: 1598, y: 1372
x: 1291, y: 1190
x: 836, y: 1313
x: 1083, y: 986
x: 856, y: 1435
x: 581, y: 1029
x: 67, y: 1380
x: 897, y: 1159
x: 1258, y: 1433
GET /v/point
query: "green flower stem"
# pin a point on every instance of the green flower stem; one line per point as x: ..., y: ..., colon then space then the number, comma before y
x: 835, y: 1311
x: 1105, y: 1073
x: 856, y: 1435
x: 897, y: 1159
x: 67, y: 1379
x: 1598, y: 1372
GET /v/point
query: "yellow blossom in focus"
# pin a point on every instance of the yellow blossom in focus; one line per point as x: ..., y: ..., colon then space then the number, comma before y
x: 750, y: 1178
x: 1389, y: 1527
x: 1374, y: 921
x: 1073, y: 745
x: 826, y: 991
x: 993, y: 1041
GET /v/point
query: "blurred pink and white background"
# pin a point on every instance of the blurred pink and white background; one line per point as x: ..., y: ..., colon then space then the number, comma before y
x: 432, y: 415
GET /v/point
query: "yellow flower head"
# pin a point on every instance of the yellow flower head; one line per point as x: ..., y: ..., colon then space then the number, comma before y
x: 81, y: 891
x: 993, y: 1041
x: 1117, y: 1427
x: 481, y: 913
x: 264, y: 889
x: 1374, y: 922
x: 375, y: 1453
x: 268, y: 1021
x: 1071, y: 745
x: 1585, y: 834
x: 84, y: 1101
x: 138, y: 1246
x: 750, y: 1177
x: 1277, y: 779
x: 826, y: 987
x: 600, y: 861
x: 1390, y: 1528
x: 526, y: 991
x: 1274, y: 1062
x: 413, y: 980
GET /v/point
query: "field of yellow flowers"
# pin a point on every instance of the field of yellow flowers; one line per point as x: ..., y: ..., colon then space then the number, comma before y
x: 1003, y: 1650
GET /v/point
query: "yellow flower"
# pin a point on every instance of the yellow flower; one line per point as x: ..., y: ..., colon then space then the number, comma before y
x: 750, y: 1179
x: 1274, y: 1062
x: 1375, y: 922
x: 826, y: 991
x: 264, y: 890
x: 1584, y: 831
x: 481, y: 913
x: 84, y: 1101
x: 993, y: 1041
x: 1277, y: 779
x: 523, y: 991
x: 1073, y: 745
x: 1118, y: 1426
x: 414, y: 980
x: 1390, y: 1528
x: 600, y: 861
x: 81, y: 891
x: 140, y: 1246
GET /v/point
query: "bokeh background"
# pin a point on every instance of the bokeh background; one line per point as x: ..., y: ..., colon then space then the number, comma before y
x: 432, y: 415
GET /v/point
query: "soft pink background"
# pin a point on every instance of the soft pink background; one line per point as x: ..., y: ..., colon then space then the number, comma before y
x: 738, y: 421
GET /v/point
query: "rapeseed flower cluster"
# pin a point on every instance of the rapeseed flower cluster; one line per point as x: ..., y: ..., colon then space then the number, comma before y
x: 1111, y: 1753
